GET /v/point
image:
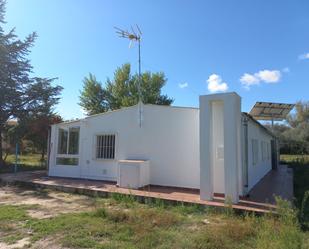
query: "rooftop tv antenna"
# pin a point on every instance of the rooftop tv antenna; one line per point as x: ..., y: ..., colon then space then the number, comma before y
x: 134, y: 35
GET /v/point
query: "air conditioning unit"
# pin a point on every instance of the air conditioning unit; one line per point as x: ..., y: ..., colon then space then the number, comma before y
x: 133, y: 174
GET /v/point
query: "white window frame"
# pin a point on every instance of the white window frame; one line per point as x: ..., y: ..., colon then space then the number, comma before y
x: 255, y: 151
x: 68, y: 155
x: 95, y: 146
x: 264, y: 150
x: 268, y: 151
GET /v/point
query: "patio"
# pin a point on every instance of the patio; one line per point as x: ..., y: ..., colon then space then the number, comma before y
x: 260, y: 198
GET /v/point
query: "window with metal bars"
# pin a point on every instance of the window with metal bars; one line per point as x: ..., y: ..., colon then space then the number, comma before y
x: 105, y: 147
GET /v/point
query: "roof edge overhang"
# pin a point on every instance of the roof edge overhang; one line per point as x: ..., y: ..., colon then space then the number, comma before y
x: 259, y: 124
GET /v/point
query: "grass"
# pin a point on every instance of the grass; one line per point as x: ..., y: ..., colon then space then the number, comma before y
x: 300, y: 166
x: 287, y: 159
x: 120, y: 223
x: 12, y: 220
x: 26, y: 162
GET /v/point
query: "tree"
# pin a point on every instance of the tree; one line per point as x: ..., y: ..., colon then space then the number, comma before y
x: 37, y: 123
x: 8, y: 143
x: 37, y: 130
x: 122, y: 91
x: 301, y: 115
x: 294, y: 135
x: 20, y: 94
x: 93, y: 97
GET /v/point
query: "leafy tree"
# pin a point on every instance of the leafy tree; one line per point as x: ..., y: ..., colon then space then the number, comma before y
x: 301, y: 115
x: 122, y: 91
x: 36, y: 124
x: 93, y: 97
x: 294, y: 135
x: 20, y: 94
x: 37, y: 130
x: 8, y: 138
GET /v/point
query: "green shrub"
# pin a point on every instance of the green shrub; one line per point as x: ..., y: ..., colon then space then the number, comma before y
x: 100, y: 212
x: 282, y: 232
x: 304, y: 211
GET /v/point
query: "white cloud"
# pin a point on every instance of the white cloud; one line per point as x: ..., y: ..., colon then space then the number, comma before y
x: 286, y: 70
x: 266, y: 76
x: 269, y: 76
x: 304, y: 56
x: 248, y: 80
x: 183, y: 85
x: 215, y: 84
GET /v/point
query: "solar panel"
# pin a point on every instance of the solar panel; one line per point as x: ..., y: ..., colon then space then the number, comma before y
x: 270, y: 111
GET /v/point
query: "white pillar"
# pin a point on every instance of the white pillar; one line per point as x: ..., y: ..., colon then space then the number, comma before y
x: 232, y: 117
x: 232, y: 162
x: 206, y: 171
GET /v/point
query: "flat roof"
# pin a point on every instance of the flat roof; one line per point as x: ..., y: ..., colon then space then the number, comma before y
x: 125, y: 108
x: 270, y: 111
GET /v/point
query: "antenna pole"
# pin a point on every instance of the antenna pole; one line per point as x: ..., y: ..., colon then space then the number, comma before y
x: 135, y: 36
x: 139, y: 71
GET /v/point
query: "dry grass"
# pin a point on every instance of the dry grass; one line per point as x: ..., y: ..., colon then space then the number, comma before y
x: 122, y: 223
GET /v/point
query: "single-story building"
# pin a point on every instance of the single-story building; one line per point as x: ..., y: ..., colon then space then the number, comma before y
x: 214, y: 148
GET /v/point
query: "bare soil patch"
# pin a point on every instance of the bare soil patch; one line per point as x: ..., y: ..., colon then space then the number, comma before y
x: 46, y: 203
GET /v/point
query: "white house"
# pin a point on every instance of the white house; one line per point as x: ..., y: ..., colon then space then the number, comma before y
x: 214, y: 148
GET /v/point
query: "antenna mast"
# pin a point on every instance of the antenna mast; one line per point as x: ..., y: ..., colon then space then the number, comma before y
x: 134, y: 35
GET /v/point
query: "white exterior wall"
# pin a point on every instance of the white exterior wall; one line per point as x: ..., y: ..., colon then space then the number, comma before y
x: 168, y: 138
x: 258, y: 171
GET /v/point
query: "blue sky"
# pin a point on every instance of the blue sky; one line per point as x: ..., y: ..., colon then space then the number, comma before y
x: 260, y: 49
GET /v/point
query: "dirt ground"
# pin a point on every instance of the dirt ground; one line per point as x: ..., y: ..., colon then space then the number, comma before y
x: 46, y: 204
x: 24, y: 243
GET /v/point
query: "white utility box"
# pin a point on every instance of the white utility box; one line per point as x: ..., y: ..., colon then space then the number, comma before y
x: 133, y: 173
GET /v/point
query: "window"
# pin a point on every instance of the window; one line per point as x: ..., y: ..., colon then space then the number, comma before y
x: 264, y: 150
x: 67, y: 161
x: 73, y: 141
x: 68, y: 141
x: 62, y: 141
x: 105, y: 147
x: 268, y: 151
x: 255, y: 151
x: 68, y: 144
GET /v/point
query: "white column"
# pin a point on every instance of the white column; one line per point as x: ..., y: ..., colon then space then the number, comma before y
x: 232, y: 140
x: 232, y: 117
x: 206, y: 170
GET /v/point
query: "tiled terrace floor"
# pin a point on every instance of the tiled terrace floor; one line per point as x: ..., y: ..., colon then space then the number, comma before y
x: 278, y: 182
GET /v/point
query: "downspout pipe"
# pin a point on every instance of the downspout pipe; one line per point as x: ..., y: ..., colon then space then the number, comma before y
x: 48, y: 147
x: 245, y: 155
